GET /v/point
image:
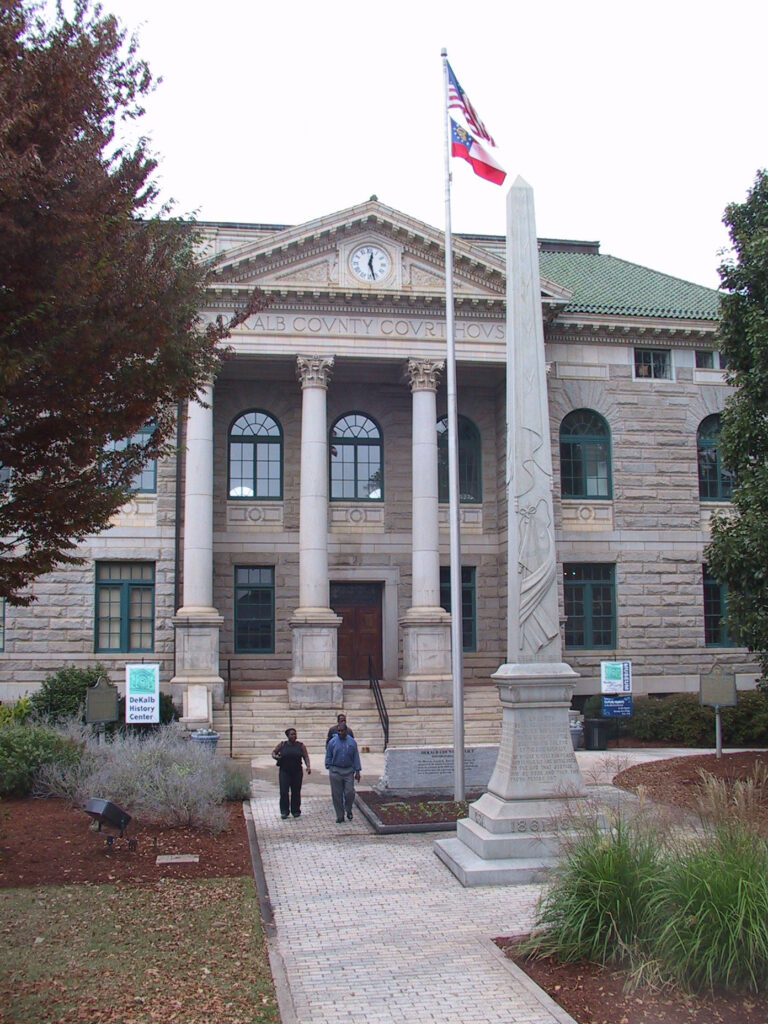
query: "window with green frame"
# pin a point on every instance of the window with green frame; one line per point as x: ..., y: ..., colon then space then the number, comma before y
x: 715, y: 482
x: 715, y: 607
x: 254, y: 609
x: 589, y: 595
x: 255, y: 446
x: 470, y: 452
x: 355, y: 453
x: 125, y: 607
x: 468, y: 603
x: 585, y: 455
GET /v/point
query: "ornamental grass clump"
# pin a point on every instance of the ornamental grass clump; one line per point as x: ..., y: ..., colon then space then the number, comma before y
x: 711, y: 906
x: 597, y: 906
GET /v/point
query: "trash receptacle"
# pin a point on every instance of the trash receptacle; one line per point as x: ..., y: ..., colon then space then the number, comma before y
x: 595, y: 734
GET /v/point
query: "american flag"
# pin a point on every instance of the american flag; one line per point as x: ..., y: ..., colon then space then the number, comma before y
x: 458, y: 100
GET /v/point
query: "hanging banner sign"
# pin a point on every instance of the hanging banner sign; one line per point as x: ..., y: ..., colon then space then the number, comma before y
x: 616, y: 677
x: 142, y: 694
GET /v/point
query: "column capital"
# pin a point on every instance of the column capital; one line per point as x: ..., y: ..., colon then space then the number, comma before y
x: 314, y: 371
x: 423, y: 374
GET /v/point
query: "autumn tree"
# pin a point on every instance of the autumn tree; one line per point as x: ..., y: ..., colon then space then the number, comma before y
x: 100, y: 332
x: 738, y: 552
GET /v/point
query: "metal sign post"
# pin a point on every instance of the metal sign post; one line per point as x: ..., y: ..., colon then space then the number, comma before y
x: 717, y: 689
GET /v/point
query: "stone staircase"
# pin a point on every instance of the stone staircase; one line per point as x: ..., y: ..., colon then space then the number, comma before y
x: 260, y: 717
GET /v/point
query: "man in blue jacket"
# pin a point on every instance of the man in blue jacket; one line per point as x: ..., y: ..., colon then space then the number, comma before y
x: 342, y: 760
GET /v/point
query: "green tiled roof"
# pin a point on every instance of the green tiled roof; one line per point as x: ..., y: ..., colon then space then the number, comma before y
x: 606, y: 285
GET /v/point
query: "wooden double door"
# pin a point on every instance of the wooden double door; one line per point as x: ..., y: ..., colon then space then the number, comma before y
x: 360, y: 632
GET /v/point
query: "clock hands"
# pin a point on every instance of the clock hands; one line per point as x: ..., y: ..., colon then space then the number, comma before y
x: 370, y: 266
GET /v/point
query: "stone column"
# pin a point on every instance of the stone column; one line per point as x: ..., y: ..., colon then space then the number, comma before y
x: 314, y: 626
x: 426, y: 626
x: 509, y: 835
x: 197, y: 622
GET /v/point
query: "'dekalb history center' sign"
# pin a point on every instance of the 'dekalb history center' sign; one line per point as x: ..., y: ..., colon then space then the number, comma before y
x: 142, y: 694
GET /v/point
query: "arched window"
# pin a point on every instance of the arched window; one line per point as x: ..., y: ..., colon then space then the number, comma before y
x: 255, y: 456
x: 585, y: 455
x: 355, y: 455
x: 715, y: 482
x: 470, y: 488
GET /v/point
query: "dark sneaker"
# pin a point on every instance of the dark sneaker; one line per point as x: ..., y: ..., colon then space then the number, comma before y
x: 283, y: 816
x: 339, y: 821
x: 349, y: 815
x: 297, y: 814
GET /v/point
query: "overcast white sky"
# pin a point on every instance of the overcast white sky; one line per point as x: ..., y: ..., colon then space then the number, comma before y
x: 635, y: 123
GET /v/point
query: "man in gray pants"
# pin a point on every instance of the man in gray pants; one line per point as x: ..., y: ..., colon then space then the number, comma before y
x: 342, y: 759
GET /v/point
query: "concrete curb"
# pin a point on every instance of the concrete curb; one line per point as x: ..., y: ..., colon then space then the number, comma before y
x: 283, y: 993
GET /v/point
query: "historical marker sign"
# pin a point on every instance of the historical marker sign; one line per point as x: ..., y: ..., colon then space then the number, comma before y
x: 717, y: 688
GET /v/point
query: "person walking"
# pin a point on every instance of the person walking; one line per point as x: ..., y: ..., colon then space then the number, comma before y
x: 342, y: 759
x: 289, y: 754
x: 341, y: 717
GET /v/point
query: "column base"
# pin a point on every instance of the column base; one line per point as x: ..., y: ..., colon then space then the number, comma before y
x: 197, y: 652
x: 315, y: 682
x: 515, y: 830
x: 427, y: 679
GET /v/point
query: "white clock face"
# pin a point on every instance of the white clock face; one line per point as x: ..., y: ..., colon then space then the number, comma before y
x: 370, y: 263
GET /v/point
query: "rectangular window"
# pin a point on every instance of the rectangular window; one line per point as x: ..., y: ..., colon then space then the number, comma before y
x: 710, y: 359
x: 590, y: 605
x: 125, y: 607
x: 254, y: 609
x: 468, y: 603
x: 653, y: 364
x: 715, y: 606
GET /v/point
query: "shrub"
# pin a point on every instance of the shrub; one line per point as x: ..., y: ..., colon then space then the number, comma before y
x: 24, y: 748
x: 62, y: 695
x: 160, y: 777
x: 18, y: 711
x: 237, y: 780
x: 678, y: 719
x: 596, y: 907
x: 746, y: 725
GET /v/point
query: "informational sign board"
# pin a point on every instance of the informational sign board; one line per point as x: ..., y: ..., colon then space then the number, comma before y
x: 616, y: 677
x: 142, y: 694
x: 101, y: 702
x: 717, y: 688
x: 617, y: 707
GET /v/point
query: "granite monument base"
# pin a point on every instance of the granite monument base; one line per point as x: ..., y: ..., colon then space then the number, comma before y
x: 514, y: 831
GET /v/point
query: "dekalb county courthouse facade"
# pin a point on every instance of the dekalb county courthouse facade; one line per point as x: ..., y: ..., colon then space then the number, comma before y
x: 301, y: 535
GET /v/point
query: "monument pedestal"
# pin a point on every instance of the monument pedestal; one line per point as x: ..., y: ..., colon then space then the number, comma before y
x: 315, y: 682
x: 513, y: 832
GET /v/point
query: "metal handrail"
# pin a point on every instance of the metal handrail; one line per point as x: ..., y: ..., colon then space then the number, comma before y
x: 378, y: 696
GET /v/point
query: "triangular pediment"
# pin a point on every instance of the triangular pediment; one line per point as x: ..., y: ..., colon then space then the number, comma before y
x: 324, y: 256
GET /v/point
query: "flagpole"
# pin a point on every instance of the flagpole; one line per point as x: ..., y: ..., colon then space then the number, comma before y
x: 453, y: 472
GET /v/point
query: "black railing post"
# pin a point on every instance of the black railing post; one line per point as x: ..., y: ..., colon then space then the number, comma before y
x: 378, y: 696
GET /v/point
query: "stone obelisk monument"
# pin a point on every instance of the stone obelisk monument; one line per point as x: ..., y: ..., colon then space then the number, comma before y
x: 510, y: 836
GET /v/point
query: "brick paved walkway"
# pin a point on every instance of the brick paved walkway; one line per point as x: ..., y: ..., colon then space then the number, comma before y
x: 375, y: 929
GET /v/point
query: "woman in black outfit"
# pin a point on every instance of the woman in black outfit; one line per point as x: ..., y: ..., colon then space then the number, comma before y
x: 289, y: 754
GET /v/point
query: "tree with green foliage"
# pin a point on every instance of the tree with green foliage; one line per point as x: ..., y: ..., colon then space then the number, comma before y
x: 100, y: 330
x: 738, y: 552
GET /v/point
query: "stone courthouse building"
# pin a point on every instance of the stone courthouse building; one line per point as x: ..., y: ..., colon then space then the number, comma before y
x: 300, y: 538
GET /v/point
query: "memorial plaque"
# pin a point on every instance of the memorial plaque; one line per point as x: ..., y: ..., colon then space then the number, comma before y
x: 410, y: 770
x: 718, y: 688
x: 101, y: 702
